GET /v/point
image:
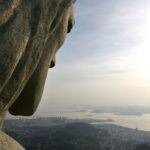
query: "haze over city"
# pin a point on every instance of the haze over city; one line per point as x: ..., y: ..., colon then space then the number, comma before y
x: 105, y: 60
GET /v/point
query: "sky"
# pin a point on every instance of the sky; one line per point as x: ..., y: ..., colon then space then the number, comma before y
x: 105, y: 60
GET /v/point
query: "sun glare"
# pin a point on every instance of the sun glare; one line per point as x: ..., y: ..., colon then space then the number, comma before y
x: 142, y: 53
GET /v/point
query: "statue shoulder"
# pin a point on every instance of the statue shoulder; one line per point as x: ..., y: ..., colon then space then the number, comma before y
x: 8, y: 143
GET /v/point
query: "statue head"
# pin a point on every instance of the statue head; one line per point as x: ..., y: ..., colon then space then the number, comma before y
x: 31, y: 32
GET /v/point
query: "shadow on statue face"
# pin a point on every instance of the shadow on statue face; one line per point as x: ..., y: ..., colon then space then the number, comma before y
x: 29, y: 99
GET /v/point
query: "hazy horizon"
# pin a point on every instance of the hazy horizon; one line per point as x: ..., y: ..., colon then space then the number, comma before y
x: 105, y: 60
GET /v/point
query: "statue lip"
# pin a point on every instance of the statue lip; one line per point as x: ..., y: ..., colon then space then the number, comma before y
x: 70, y: 26
x: 52, y: 63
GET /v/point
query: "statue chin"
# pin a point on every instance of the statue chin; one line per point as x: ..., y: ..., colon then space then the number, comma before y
x: 31, y: 32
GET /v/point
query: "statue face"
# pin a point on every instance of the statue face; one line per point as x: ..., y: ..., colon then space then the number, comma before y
x: 58, y: 37
x: 31, y: 32
x: 26, y: 100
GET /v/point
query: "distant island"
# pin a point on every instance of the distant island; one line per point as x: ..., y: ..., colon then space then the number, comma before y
x: 134, y: 111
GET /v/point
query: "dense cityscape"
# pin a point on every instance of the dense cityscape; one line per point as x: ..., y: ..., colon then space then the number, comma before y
x: 55, y: 133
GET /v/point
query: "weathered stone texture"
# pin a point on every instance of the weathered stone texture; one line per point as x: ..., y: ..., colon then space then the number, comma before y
x: 31, y: 32
x: 29, y: 38
x: 7, y: 143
